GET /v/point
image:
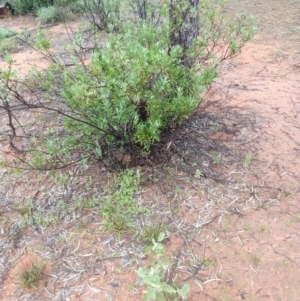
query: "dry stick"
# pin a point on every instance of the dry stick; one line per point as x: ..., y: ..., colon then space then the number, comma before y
x: 11, y: 144
x: 7, y: 108
x: 9, y: 114
x: 217, y: 279
x: 111, y: 258
x: 283, y: 255
x: 290, y: 136
x: 169, y: 275
x: 205, y: 235
x: 200, y: 266
x: 30, y: 167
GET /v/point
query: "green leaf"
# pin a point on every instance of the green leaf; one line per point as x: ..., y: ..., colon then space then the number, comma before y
x: 148, y: 249
x: 98, y: 152
x: 183, y: 292
x: 152, y: 280
x: 161, y: 297
x: 150, y: 295
x: 161, y: 237
x: 142, y: 272
x: 168, y: 288
x: 159, y: 247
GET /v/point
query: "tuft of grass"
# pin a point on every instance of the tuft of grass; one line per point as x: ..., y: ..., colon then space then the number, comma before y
x: 120, y: 206
x: 256, y: 259
x: 247, y: 160
x: 263, y: 229
x: 288, y: 223
x: 25, y: 209
x: 278, y: 53
x: 116, y: 220
x: 296, y: 218
x: 87, y: 203
x: 206, y: 262
x: 29, y: 277
x: 152, y: 232
x: 247, y: 227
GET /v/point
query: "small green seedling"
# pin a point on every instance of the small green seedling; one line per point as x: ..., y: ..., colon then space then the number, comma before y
x: 217, y: 158
x: 198, y: 174
x: 247, y: 160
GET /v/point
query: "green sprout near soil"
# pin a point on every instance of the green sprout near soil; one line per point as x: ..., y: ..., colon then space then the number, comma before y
x: 247, y: 160
x: 217, y: 158
x: 256, y: 259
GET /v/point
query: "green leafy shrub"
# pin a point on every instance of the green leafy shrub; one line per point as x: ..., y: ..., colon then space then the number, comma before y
x: 23, y: 7
x: 65, y: 2
x: 103, y: 14
x: 53, y: 13
x: 46, y: 14
x: 134, y: 89
x: 76, y: 7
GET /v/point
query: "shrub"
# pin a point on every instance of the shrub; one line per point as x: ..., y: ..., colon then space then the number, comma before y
x: 76, y: 7
x: 145, y: 9
x: 134, y: 88
x: 66, y: 7
x: 65, y: 2
x: 46, y: 14
x: 103, y: 14
x: 25, y: 6
x: 54, y: 13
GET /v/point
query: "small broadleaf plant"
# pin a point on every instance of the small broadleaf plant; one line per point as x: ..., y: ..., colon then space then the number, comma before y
x: 153, y: 277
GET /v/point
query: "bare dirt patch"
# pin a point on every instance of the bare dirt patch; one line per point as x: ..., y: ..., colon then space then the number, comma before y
x: 229, y: 197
